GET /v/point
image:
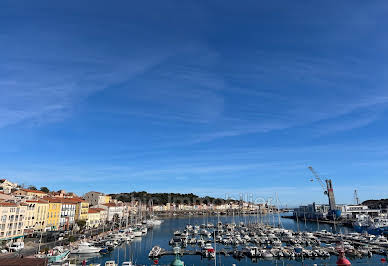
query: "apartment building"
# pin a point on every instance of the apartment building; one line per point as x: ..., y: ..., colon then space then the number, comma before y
x: 96, y: 198
x: 67, y: 217
x: 103, y: 214
x: 53, y: 213
x: 113, y: 210
x: 82, y: 209
x: 12, y: 217
x: 94, y: 218
x: 37, y: 209
x: 6, y: 186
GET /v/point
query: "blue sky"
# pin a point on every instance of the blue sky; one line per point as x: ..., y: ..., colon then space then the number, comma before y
x: 209, y: 97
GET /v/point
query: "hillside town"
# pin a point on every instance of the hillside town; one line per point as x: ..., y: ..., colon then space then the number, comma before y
x: 25, y: 211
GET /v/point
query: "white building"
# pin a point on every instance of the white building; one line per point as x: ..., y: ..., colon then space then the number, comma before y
x: 103, y: 214
x: 67, y: 213
x: 12, y: 217
x: 351, y: 211
x: 113, y: 210
x: 6, y: 186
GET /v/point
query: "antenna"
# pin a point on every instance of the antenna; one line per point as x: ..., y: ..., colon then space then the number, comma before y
x: 356, y: 198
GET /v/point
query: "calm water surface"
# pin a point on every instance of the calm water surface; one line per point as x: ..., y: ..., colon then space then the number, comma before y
x: 138, y: 250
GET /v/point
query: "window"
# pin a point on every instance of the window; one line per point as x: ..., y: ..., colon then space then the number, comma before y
x: 4, y: 218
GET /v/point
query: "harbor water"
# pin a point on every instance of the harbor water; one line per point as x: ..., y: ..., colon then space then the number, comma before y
x: 138, y: 249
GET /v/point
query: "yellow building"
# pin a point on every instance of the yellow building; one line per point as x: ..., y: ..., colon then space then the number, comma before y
x: 12, y: 216
x: 106, y: 199
x: 53, y: 213
x: 94, y: 218
x: 29, y: 220
x: 38, y: 222
x: 82, y: 208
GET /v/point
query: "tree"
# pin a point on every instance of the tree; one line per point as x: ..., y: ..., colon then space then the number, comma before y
x: 81, y: 224
x: 44, y: 189
x: 32, y: 188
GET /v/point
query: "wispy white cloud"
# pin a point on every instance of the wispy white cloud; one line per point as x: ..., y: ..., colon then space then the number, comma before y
x: 339, y: 125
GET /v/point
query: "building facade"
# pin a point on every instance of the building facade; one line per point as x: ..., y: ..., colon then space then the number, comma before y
x: 6, y: 186
x: 12, y: 217
x: 103, y: 214
x: 113, y: 210
x: 40, y: 209
x: 94, y: 219
x: 312, y: 211
x: 67, y: 217
x: 82, y: 210
x: 53, y: 213
x: 96, y: 198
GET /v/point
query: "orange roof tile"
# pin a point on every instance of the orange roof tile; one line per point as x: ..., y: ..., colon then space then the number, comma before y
x: 53, y: 200
x: 36, y: 201
x: 8, y: 204
x: 33, y: 191
x: 97, y: 209
x: 62, y: 200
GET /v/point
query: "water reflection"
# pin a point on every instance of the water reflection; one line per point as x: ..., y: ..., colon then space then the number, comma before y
x: 139, y: 248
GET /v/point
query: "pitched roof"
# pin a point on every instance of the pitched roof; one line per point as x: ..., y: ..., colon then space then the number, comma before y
x: 8, y: 204
x: 93, y: 211
x: 97, y: 209
x: 61, y: 200
x: 53, y: 200
x: 33, y: 191
x: 36, y: 201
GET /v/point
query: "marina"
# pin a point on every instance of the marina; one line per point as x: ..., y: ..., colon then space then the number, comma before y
x: 241, y: 240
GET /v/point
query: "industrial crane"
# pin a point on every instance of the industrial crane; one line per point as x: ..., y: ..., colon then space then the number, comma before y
x: 318, y: 179
x: 327, y: 190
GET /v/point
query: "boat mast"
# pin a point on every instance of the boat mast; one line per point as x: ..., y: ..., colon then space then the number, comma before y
x: 215, y: 249
x: 279, y: 221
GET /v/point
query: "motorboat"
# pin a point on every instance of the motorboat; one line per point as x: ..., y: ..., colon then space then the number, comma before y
x: 85, y: 248
x: 155, y: 252
x: 58, y: 254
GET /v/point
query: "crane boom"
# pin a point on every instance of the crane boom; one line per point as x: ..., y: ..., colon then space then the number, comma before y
x: 328, y: 190
x: 318, y: 179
